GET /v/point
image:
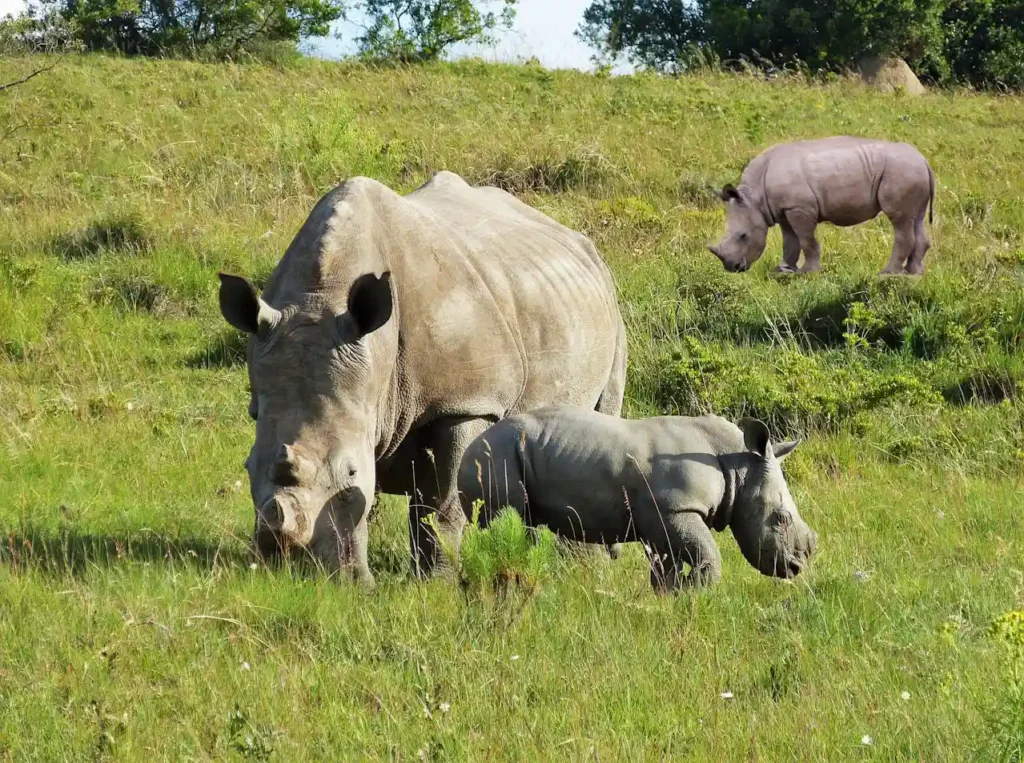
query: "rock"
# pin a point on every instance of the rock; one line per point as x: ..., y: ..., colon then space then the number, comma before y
x: 890, y: 75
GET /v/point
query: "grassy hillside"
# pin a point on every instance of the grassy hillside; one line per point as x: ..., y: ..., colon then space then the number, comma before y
x: 132, y: 622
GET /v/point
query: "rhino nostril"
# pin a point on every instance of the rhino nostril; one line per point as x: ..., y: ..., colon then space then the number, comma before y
x: 272, y: 514
x: 794, y: 567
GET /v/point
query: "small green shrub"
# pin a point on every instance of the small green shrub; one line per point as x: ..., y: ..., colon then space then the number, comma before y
x: 1008, y: 718
x: 506, y: 555
x: 633, y: 212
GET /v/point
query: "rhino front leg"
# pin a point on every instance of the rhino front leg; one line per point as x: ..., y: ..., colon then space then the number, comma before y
x: 436, y: 491
x: 902, y: 246
x: 684, y: 539
x: 790, y: 249
x: 803, y: 225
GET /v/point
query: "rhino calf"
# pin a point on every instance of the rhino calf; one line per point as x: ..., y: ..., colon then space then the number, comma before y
x: 841, y: 180
x: 666, y: 482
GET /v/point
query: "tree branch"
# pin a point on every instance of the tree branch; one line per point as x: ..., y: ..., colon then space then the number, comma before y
x: 23, y: 80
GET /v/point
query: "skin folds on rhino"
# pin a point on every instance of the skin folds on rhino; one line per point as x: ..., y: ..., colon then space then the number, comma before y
x: 666, y: 481
x: 394, y: 331
x: 841, y: 180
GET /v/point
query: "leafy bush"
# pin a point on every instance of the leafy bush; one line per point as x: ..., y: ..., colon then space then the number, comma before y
x: 1008, y: 739
x: 985, y: 42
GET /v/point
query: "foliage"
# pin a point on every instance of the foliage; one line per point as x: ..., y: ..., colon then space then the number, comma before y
x: 985, y: 42
x: 219, y: 28
x: 1008, y: 740
x: 423, y: 30
x: 979, y: 42
x: 665, y: 35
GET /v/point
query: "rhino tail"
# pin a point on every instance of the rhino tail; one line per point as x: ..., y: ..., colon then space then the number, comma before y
x: 931, y: 196
x: 610, y: 401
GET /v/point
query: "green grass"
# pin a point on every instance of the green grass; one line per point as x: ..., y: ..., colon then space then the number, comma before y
x: 132, y: 624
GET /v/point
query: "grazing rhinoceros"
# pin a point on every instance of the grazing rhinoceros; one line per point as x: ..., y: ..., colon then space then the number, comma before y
x: 394, y: 331
x: 842, y: 180
x: 665, y: 481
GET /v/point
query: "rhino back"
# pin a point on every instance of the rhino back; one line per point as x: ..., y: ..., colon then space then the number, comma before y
x: 497, y: 307
x: 836, y: 178
x: 583, y: 459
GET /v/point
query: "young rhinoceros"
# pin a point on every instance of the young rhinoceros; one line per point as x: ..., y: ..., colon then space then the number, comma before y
x: 666, y: 482
x: 842, y: 180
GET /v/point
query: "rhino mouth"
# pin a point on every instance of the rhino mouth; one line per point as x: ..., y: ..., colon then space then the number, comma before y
x: 786, y: 567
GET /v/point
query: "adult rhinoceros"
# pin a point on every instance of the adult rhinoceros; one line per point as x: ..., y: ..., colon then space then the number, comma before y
x: 392, y: 333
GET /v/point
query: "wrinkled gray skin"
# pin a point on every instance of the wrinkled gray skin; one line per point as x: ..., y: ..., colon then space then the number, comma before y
x: 666, y: 481
x: 394, y: 331
x: 841, y: 180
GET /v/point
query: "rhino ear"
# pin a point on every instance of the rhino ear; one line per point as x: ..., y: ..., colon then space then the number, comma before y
x: 755, y: 436
x: 783, y: 449
x: 730, y: 193
x: 370, y: 303
x: 242, y: 308
x: 238, y: 303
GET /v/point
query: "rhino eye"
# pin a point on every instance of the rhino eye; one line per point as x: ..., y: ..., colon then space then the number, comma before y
x: 781, y: 520
x: 743, y: 237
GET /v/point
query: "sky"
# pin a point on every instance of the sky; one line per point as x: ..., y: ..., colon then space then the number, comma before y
x: 543, y: 28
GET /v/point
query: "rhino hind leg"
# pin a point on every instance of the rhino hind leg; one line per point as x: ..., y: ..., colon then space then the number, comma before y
x: 915, y: 264
x: 902, y: 246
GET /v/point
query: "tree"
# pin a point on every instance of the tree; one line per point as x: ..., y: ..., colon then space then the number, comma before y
x: 175, y: 27
x: 422, y: 30
x: 666, y: 34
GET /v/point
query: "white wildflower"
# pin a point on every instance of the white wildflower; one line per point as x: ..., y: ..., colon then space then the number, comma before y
x: 866, y: 740
x: 444, y: 707
x: 245, y: 666
x: 905, y: 695
x: 726, y: 695
x: 515, y: 657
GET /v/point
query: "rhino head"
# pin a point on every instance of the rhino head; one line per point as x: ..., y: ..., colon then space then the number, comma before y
x: 765, y: 522
x: 746, y: 231
x: 315, y: 377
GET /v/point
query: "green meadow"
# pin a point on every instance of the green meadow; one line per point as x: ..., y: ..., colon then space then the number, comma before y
x: 135, y: 624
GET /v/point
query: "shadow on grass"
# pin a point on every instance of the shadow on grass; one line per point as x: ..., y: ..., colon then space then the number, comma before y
x: 227, y: 350
x: 122, y: 233
x: 69, y: 552
x: 72, y: 553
